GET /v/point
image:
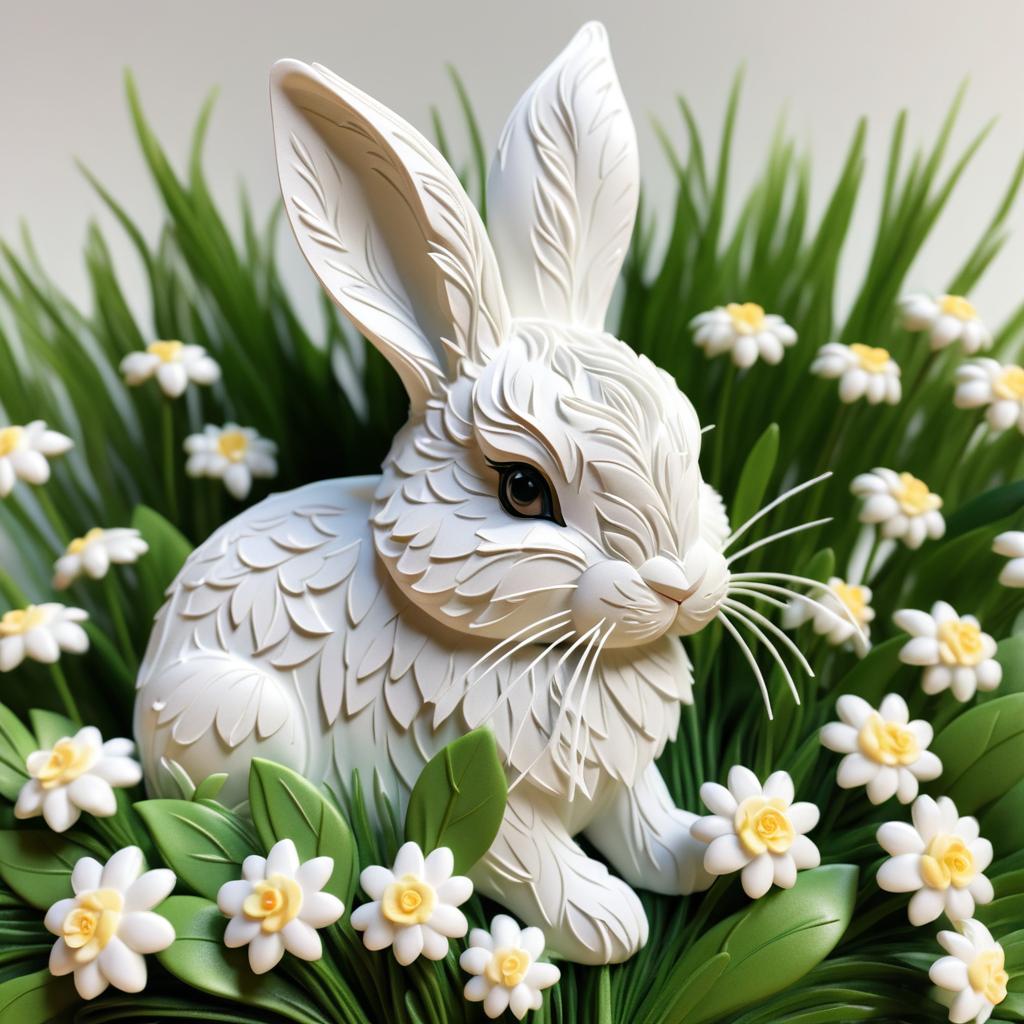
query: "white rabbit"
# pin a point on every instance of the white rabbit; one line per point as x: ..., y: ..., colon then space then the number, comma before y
x: 538, y: 541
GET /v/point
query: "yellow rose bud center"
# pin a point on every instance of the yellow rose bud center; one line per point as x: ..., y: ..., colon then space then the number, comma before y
x: 66, y: 762
x: 946, y: 862
x: 960, y: 643
x: 888, y: 743
x: 166, y: 351
x: 79, y: 544
x: 958, y: 306
x: 1009, y: 384
x: 10, y: 440
x: 747, y: 317
x: 987, y: 975
x: 508, y: 967
x: 233, y: 445
x: 21, y: 620
x: 274, y: 902
x: 408, y: 900
x: 92, y: 922
x: 873, y: 360
x: 762, y: 824
x: 853, y: 596
x: 914, y: 497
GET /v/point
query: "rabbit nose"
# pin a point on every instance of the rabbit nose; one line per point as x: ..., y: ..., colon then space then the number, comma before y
x: 665, y: 576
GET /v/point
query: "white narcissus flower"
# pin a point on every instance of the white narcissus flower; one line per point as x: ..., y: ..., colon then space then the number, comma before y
x: 506, y: 968
x: 25, y: 451
x: 758, y: 831
x: 745, y: 331
x: 233, y: 454
x: 277, y: 905
x: 940, y: 859
x: 833, y: 614
x: 900, y: 505
x: 173, y: 363
x: 1011, y: 545
x: 947, y: 319
x: 107, y: 927
x: 77, y: 774
x: 975, y: 971
x: 956, y: 654
x: 884, y: 750
x: 999, y: 388
x: 94, y: 553
x: 413, y: 906
x: 41, y: 632
x: 863, y: 372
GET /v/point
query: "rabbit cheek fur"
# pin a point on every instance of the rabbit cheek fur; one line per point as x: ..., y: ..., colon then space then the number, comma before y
x: 364, y: 623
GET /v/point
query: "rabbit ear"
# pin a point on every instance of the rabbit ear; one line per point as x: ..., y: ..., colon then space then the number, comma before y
x: 563, y: 189
x: 387, y: 228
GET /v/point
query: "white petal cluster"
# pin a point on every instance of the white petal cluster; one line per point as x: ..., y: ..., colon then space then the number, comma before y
x: 900, y: 505
x: 25, y: 453
x: 863, y: 372
x: 174, y: 364
x: 744, y: 330
x: 974, y: 974
x: 998, y: 388
x: 956, y: 654
x: 756, y: 830
x: 940, y: 859
x: 833, y: 614
x: 1011, y: 545
x: 78, y: 773
x: 947, y: 319
x: 95, y: 552
x: 413, y: 905
x: 41, y: 632
x: 277, y: 905
x: 885, y: 751
x: 506, y: 968
x: 237, y: 455
x: 107, y: 927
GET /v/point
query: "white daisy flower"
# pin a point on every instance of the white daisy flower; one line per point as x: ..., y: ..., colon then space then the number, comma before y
x: 277, y: 905
x: 831, y: 614
x: 884, y: 750
x: 413, y: 905
x: 41, y: 632
x: 863, y: 372
x: 105, y: 929
x: 900, y: 505
x: 975, y: 971
x: 94, y: 553
x: 947, y: 319
x: 233, y: 454
x: 956, y: 654
x: 940, y: 859
x: 506, y: 968
x: 758, y: 831
x: 745, y: 331
x: 77, y: 774
x: 1011, y: 545
x: 997, y: 386
x: 173, y: 363
x: 25, y: 451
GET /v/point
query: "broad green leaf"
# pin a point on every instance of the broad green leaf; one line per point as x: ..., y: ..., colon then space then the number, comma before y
x: 37, y: 864
x: 459, y: 799
x: 753, y: 482
x: 168, y: 549
x: 1003, y: 823
x: 987, y: 508
x: 684, y: 988
x: 210, y: 786
x: 284, y: 805
x: 16, y: 743
x: 1009, y: 654
x: 49, y: 727
x: 36, y: 998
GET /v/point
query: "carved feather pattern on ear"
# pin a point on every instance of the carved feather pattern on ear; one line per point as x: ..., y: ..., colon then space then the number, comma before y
x: 563, y: 189
x: 387, y: 228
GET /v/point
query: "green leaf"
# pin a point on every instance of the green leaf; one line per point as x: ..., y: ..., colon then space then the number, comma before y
x: 199, y: 958
x: 987, y: 508
x: 37, y: 864
x: 459, y: 799
x: 871, y: 677
x: 757, y: 471
x: 1003, y: 823
x: 36, y: 998
x: 168, y: 549
x: 685, y: 988
x: 1009, y: 654
x: 50, y: 727
x: 203, y: 846
x: 16, y: 743
x: 284, y: 805
x: 210, y: 787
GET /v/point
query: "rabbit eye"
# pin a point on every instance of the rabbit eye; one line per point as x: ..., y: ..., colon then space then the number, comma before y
x: 524, y: 492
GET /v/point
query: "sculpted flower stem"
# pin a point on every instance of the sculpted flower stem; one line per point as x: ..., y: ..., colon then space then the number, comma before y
x: 724, y: 400
x: 64, y: 692
x: 115, y: 605
x: 167, y: 428
x: 51, y: 513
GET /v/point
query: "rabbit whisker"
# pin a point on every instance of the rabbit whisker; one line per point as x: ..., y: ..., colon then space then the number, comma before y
x: 757, y: 595
x: 739, y: 531
x: 576, y: 760
x: 738, y: 614
x: 785, y: 638
x: 772, y: 537
x: 751, y: 660
x: 515, y: 636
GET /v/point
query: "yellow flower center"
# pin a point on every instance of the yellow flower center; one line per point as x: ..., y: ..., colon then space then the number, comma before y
x: 233, y: 445
x: 274, y: 902
x: 78, y: 545
x: 853, y: 596
x: 1009, y: 384
x: 762, y: 824
x: 887, y: 743
x: 914, y: 497
x: 946, y: 862
x: 66, y: 762
x: 874, y: 360
x: 987, y: 975
x: 408, y: 900
x: 165, y: 351
x: 21, y: 620
x: 10, y: 440
x: 747, y: 317
x: 92, y: 922
x: 960, y: 643
x: 508, y: 967
x: 958, y: 306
